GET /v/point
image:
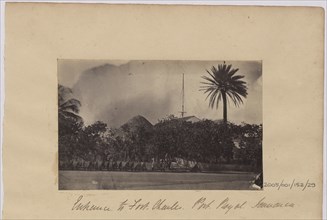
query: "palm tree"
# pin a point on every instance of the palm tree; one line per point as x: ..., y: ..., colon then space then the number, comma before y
x: 222, y: 83
x: 68, y: 108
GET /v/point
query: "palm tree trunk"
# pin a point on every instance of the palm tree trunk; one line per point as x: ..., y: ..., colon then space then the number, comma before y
x: 224, y: 107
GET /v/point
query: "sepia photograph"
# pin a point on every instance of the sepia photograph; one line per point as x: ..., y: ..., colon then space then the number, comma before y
x: 160, y: 125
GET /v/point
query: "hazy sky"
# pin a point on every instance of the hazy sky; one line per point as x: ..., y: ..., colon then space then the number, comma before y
x: 115, y: 91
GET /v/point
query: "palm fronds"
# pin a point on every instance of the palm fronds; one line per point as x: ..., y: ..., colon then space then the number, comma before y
x: 222, y: 79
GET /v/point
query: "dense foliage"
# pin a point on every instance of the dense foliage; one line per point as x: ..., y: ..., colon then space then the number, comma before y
x: 205, y: 141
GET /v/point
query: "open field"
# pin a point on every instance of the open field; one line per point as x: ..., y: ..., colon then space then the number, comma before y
x: 105, y: 180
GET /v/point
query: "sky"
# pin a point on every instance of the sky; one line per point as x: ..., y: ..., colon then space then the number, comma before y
x: 115, y: 91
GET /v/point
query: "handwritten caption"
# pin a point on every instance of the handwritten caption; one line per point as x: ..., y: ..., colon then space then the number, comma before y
x: 225, y: 205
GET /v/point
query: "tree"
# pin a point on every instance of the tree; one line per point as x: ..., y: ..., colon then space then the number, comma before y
x: 68, y: 109
x: 251, y: 145
x: 203, y: 144
x: 223, y: 84
x: 93, y: 139
x: 69, y: 123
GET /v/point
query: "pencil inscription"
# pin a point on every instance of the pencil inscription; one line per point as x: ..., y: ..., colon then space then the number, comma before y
x: 224, y: 206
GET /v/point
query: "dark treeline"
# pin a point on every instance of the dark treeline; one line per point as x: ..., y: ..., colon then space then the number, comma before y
x: 205, y: 141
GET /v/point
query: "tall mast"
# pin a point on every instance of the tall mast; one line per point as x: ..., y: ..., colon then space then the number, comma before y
x: 182, y: 112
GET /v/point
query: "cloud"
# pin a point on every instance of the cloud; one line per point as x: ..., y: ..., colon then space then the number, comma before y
x: 114, y: 92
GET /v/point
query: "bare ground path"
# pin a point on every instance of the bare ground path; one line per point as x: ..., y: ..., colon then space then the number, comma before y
x: 102, y: 180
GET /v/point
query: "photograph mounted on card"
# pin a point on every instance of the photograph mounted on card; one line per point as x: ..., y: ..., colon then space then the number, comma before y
x: 163, y: 111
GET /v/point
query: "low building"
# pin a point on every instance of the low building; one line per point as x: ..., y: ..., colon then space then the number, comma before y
x: 192, y: 119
